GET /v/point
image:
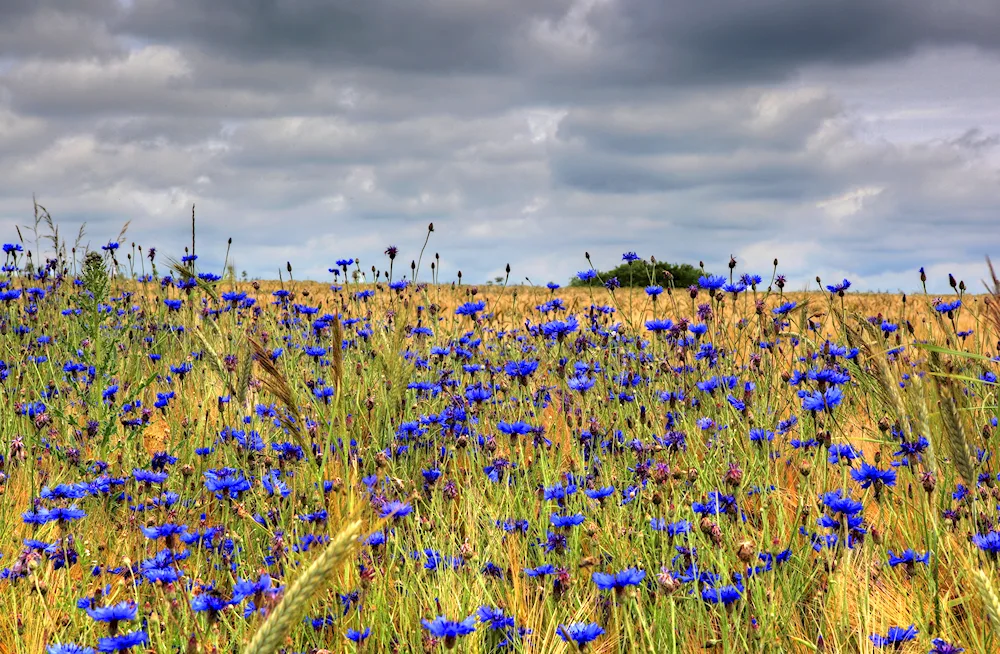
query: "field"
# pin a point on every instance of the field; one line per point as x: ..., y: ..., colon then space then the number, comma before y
x: 190, y: 462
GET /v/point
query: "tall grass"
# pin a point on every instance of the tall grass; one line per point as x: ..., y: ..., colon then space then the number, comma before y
x: 293, y: 407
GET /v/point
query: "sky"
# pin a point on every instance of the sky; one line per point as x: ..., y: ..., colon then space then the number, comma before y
x: 846, y: 138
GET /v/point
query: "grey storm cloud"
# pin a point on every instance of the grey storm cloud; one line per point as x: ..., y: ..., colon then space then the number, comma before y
x: 639, y: 40
x: 847, y: 138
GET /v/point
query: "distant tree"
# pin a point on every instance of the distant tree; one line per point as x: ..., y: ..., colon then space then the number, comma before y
x: 646, y: 273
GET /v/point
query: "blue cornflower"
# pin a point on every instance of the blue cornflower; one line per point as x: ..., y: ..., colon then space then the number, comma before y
x: 658, y: 325
x: 784, y: 308
x: 376, y: 539
x: 580, y: 383
x: 579, y: 632
x: 477, y: 393
x: 943, y: 646
x: 988, y: 542
x: 121, y: 612
x: 226, y: 482
x: 908, y: 558
x: 541, y: 571
x: 586, y: 275
x: 947, y: 307
x: 711, y: 282
x: 148, y: 477
x: 449, y: 630
x: 495, y: 617
x: 699, y: 329
x: 868, y: 475
x: 470, y: 308
x: 837, y: 502
x: 33, y: 409
x: 653, y: 291
x: 599, y: 493
x: 122, y: 642
x: 108, y: 395
x: 248, y: 588
x: 209, y: 602
x: 520, y: 369
x: 358, y: 636
x: 674, y: 528
x: 841, y: 451
x: 725, y: 595
x: 839, y: 288
x: 565, y: 521
x: 822, y: 400
x: 315, y: 352
x: 559, y: 329
x: 68, y: 648
x: 166, y: 531
x: 829, y: 376
x: 894, y: 637
x: 181, y: 369
x: 619, y: 580
x: 396, y: 510
x: 630, y: 257
x: 716, y: 504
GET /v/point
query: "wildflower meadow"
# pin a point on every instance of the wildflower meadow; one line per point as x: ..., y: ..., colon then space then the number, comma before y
x: 393, y: 461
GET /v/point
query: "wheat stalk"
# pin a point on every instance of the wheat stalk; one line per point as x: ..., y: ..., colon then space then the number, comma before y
x: 992, y: 300
x: 275, y: 383
x: 338, y: 355
x: 184, y: 271
x: 923, y: 422
x: 290, y: 610
x: 989, y: 597
x: 957, y: 443
x: 882, y: 374
x: 243, y: 378
x: 215, y: 360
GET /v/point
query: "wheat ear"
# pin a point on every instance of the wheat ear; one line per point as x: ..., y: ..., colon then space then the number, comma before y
x: 271, y: 635
x: 957, y: 443
x: 989, y: 597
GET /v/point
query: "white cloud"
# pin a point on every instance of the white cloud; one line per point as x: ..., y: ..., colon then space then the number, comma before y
x: 849, y: 203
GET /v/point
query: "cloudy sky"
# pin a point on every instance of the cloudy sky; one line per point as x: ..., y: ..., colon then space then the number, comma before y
x: 847, y: 138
